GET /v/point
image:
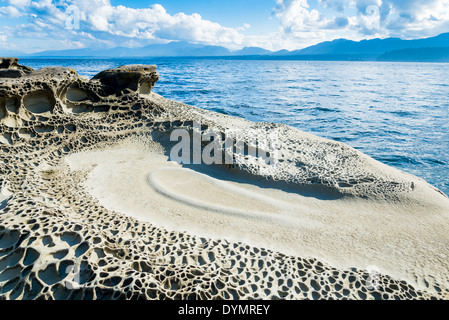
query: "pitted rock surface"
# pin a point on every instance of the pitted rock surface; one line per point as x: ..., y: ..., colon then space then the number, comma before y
x: 58, y: 242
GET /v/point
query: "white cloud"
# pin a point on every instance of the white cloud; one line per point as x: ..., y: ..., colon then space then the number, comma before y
x: 406, y: 18
x: 301, y: 23
x: 104, y: 20
x: 302, y: 26
x: 9, y: 12
x: 19, y: 3
x: 296, y: 17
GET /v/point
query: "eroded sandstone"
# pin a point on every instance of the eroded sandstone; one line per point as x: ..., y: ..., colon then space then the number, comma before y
x: 58, y: 242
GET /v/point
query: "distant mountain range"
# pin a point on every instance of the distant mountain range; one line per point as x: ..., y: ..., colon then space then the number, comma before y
x: 391, y: 49
x: 432, y: 54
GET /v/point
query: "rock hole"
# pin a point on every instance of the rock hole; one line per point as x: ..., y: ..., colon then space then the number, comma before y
x: 44, y: 129
x: 146, y: 88
x: 50, y: 275
x: 76, y: 94
x: 26, y: 133
x: 71, y: 238
x: 61, y: 254
x: 9, y: 238
x: 80, y: 108
x: 12, y: 105
x: 2, y: 109
x: 39, y: 102
x: 6, y: 138
x: 31, y: 256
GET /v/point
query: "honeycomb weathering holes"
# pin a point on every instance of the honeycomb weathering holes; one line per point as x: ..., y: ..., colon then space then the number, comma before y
x: 39, y: 102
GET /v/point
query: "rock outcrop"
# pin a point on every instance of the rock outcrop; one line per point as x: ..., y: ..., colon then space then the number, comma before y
x: 57, y: 241
x: 9, y: 68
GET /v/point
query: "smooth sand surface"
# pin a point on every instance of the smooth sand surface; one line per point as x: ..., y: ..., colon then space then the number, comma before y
x: 205, y: 201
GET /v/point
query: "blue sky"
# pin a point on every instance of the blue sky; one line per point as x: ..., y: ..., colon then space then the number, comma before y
x: 37, y: 25
x: 230, y: 13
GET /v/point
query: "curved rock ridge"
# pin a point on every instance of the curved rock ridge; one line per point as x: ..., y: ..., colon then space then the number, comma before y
x: 10, y: 68
x: 92, y: 205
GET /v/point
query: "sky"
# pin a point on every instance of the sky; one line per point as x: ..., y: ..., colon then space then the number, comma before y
x: 38, y: 25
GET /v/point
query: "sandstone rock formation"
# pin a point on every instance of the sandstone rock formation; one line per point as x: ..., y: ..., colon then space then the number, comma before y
x: 9, y: 68
x: 59, y: 239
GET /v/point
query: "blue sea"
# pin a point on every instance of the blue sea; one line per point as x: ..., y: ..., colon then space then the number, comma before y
x: 398, y: 113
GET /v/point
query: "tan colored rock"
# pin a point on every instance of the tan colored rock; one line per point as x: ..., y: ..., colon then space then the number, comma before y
x: 92, y: 207
x: 9, y: 68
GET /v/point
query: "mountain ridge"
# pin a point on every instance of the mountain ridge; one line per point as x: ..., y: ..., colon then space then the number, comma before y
x: 338, y: 49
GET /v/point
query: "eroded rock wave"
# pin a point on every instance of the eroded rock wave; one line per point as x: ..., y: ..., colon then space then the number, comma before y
x: 60, y: 239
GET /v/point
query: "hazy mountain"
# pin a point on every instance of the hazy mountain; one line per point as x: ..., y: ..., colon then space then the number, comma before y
x: 86, y: 52
x: 371, y: 48
x: 182, y: 49
x: 341, y: 49
x: 172, y: 49
x: 434, y: 54
x: 282, y: 52
x: 252, y: 51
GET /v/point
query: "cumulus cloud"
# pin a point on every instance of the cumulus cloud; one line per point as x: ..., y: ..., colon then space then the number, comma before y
x: 9, y: 12
x: 19, y: 3
x: 300, y: 23
x: 337, y: 5
x: 101, y: 20
x: 295, y: 16
x: 405, y: 18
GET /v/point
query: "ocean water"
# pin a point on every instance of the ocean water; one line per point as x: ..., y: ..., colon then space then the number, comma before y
x: 398, y: 113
